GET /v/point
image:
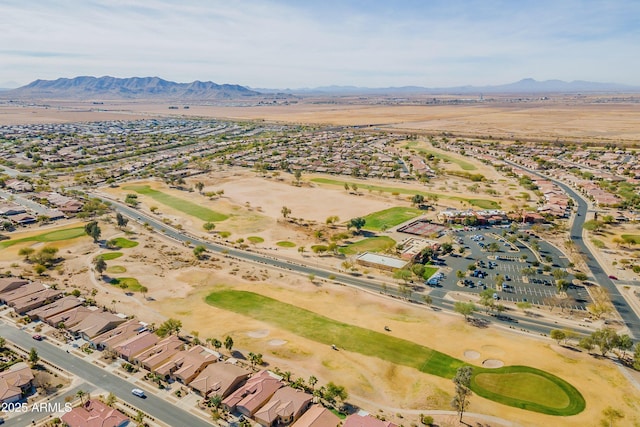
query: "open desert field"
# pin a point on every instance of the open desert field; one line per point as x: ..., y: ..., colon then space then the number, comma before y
x: 572, y: 118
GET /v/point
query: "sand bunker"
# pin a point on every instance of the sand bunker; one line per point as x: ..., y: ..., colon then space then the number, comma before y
x: 471, y: 354
x: 277, y: 342
x: 258, y: 334
x: 493, y: 363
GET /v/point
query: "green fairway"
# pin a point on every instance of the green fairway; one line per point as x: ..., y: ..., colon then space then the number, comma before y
x: 371, y: 244
x: 132, y: 284
x: 463, y: 165
x: 635, y: 238
x: 390, y: 217
x: 481, y: 203
x: 110, y: 255
x: 524, y: 384
x: 286, y: 244
x: 51, y: 236
x: 255, y: 239
x: 123, y: 243
x: 116, y: 269
x: 179, y: 204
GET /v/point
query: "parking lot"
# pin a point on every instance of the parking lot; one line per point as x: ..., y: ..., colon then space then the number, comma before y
x: 498, y: 264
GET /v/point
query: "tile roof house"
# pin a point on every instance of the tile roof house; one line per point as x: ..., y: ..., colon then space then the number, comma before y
x: 251, y: 396
x: 38, y: 299
x: 219, y: 379
x: 71, y: 317
x: 135, y: 345
x: 9, y: 295
x: 10, y: 208
x: 188, y: 364
x: 114, y: 336
x: 14, y: 382
x: 57, y: 307
x: 11, y: 283
x: 285, y: 407
x: 160, y: 353
x: 95, y: 325
x: 94, y: 414
x: 317, y: 416
x: 365, y: 420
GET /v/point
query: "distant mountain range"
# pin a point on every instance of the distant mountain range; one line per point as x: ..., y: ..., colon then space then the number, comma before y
x: 524, y: 86
x: 99, y: 88
x: 95, y: 88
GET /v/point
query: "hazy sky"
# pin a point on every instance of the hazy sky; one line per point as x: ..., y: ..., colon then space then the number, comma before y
x: 298, y: 43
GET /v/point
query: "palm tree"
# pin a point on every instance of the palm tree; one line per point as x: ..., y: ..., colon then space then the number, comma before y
x: 228, y: 343
x: 81, y: 394
x: 312, y: 381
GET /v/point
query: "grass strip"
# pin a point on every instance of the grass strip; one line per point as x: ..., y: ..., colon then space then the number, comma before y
x: 51, y: 236
x: 481, y: 203
x: 179, y: 204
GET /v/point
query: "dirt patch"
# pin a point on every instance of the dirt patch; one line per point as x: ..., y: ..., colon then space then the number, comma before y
x: 276, y: 343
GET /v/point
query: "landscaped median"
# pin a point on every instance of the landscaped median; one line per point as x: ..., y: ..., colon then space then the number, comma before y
x: 519, y: 386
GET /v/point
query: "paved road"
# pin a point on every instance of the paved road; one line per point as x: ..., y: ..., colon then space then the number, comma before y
x: 541, y: 326
x: 36, y: 207
x: 629, y: 316
x: 152, y: 405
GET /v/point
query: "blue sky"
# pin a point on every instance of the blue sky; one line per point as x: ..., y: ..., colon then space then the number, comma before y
x: 294, y: 44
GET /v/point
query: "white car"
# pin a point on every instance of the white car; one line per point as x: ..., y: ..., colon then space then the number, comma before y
x: 138, y: 392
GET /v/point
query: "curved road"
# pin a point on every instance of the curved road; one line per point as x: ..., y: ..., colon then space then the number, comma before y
x: 535, y: 325
x: 629, y: 316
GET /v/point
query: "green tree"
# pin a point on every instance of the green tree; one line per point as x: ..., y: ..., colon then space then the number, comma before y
x: 169, y: 327
x: 333, y: 392
x: 216, y: 343
x: 209, y: 226
x: 3, y: 342
x: 465, y: 308
x: 33, y: 357
x: 417, y: 199
x: 558, y: 335
x: 402, y: 274
x: 111, y: 399
x: 298, y: 176
x: 121, y: 220
x: 100, y: 264
x: 199, y: 186
x: 26, y: 252
x: 462, y: 382
x: 356, y: 223
x: 93, y: 229
x: 228, y: 343
x: 285, y: 211
x: 199, y: 251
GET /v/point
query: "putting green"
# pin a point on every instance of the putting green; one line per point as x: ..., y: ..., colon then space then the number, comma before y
x: 132, y: 283
x: 108, y: 256
x: 51, y: 236
x: 371, y: 244
x: 286, y: 244
x: 121, y: 242
x: 524, y: 387
x: 390, y: 217
x: 179, y: 204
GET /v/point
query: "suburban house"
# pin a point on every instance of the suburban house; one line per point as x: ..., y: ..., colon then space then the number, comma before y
x: 188, y: 364
x: 15, y: 382
x: 11, y: 283
x: 159, y: 354
x: 18, y: 185
x: 57, y: 307
x: 135, y: 345
x: 255, y: 393
x: 114, y: 335
x: 317, y: 416
x: 71, y: 317
x: 38, y: 299
x: 95, y: 324
x: 15, y: 292
x: 94, y: 413
x: 10, y: 208
x: 219, y: 379
x: 285, y: 407
x: 365, y: 420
